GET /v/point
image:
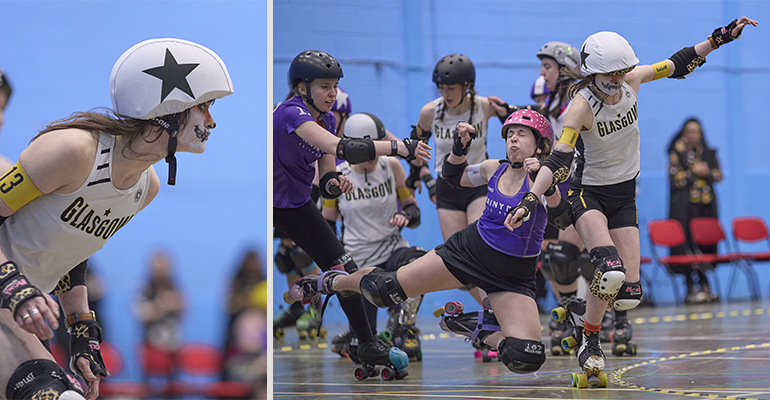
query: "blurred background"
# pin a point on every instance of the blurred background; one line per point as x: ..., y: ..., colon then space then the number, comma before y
x: 58, y: 55
x: 388, y: 51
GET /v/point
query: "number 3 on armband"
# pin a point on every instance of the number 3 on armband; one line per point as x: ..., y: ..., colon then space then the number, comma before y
x: 7, y: 186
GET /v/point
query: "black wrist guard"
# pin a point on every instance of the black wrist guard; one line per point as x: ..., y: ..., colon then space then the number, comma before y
x: 453, y: 173
x: 685, y: 61
x: 561, y: 216
x: 414, y: 176
x: 412, y: 213
x: 559, y: 163
x: 419, y: 134
x: 458, y: 148
x: 430, y: 183
x: 533, y: 174
x: 15, y: 289
x: 509, y: 109
x: 329, y: 191
x: 528, y: 204
x: 724, y: 35
x: 85, y: 342
x: 411, y: 145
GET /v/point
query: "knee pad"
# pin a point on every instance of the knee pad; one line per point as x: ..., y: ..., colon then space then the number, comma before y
x: 629, y: 296
x: 410, y: 254
x: 521, y: 356
x: 283, y: 260
x: 345, y: 261
x: 609, y: 273
x: 382, y: 289
x: 301, y: 260
x: 585, y: 266
x: 42, y: 379
x: 562, y: 262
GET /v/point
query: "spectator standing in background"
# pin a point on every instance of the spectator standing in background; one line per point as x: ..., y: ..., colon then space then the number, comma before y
x: 161, y: 306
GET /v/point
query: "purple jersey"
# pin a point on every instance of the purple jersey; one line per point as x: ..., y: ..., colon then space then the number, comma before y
x: 525, y: 240
x: 293, y: 158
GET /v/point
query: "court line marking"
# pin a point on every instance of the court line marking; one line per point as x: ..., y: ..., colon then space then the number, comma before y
x: 615, y: 377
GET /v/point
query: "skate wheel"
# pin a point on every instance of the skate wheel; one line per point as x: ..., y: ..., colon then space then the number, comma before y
x: 476, y: 354
x: 454, y: 307
x: 361, y: 374
x: 279, y: 334
x: 323, y: 333
x: 559, y: 314
x: 574, y: 379
x: 386, y: 335
x: 485, y: 356
x: 388, y: 374
x: 581, y: 380
x: 402, y: 374
x: 621, y: 347
x: 438, y: 312
x: 419, y: 355
x: 602, y: 380
x: 313, y: 333
x: 568, y: 343
x: 556, y: 350
x: 302, y: 335
x: 486, y: 304
x: 631, y: 349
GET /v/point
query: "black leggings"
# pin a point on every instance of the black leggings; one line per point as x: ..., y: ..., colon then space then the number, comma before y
x: 309, y: 230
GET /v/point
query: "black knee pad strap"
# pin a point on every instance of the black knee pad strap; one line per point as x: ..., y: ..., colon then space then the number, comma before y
x: 40, y: 379
x: 629, y: 296
x: 382, y: 289
x: 605, y: 258
x: 347, y: 263
x: 521, y: 356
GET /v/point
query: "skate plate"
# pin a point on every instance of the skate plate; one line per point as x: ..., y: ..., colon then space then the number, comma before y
x: 388, y: 373
x: 581, y: 381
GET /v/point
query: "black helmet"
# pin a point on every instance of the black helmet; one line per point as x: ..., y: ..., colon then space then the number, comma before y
x: 311, y: 65
x: 454, y: 68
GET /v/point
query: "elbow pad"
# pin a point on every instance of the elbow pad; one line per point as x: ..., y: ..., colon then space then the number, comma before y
x: 413, y: 213
x: 329, y: 191
x: 559, y: 163
x: 419, y: 134
x: 685, y: 61
x: 453, y: 173
x: 356, y: 151
x: 561, y: 216
x: 76, y: 277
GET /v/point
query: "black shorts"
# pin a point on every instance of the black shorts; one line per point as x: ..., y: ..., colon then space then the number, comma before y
x: 457, y: 199
x: 471, y: 260
x: 617, y: 202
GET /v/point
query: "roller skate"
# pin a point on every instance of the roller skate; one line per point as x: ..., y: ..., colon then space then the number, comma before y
x: 341, y: 341
x: 372, y: 354
x: 608, y: 324
x: 287, y: 319
x: 589, y: 351
x: 558, y: 331
x: 621, y: 335
x: 400, y: 329
x: 311, y: 287
x: 475, y: 326
x: 309, y: 324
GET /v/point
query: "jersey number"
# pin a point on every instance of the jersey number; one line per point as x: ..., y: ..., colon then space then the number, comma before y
x: 6, y: 187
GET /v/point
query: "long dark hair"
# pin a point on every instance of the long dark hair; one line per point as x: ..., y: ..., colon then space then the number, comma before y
x: 562, y: 87
x: 672, y: 143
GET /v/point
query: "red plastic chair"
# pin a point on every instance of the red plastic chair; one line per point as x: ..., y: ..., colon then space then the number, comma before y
x: 708, y: 231
x: 158, y: 369
x: 114, y: 363
x: 751, y: 230
x: 204, y: 361
x: 668, y: 233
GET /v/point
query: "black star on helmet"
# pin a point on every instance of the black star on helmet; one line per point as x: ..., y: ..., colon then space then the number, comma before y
x: 173, y: 75
x: 583, y: 55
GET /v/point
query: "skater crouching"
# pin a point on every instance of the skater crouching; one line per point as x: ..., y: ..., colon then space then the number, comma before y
x: 488, y: 253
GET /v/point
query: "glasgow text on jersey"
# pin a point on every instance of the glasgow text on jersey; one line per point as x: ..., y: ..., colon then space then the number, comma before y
x: 91, y: 222
x: 607, y: 127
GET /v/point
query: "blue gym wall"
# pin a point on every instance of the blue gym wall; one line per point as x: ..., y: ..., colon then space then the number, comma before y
x: 388, y: 49
x: 58, y: 56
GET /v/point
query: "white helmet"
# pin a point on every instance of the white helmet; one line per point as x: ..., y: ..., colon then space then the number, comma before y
x: 607, y: 53
x: 166, y: 76
x: 364, y: 125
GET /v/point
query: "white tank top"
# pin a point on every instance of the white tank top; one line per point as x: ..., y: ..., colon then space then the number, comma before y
x: 367, y: 234
x: 608, y: 153
x: 442, y: 132
x: 53, y: 233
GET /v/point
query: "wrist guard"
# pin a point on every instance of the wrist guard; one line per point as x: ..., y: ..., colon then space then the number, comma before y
x: 419, y: 134
x: 528, y: 204
x: 724, y: 35
x: 85, y: 342
x: 430, y: 183
x: 559, y: 163
x: 15, y: 287
x: 329, y: 191
x: 453, y: 173
x: 685, y: 61
x: 458, y: 148
x: 561, y: 216
x: 414, y: 176
x: 411, y: 146
x: 412, y: 213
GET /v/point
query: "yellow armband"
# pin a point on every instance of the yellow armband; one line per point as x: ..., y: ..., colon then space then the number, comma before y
x: 330, y: 203
x: 661, y: 70
x: 403, y: 193
x: 569, y: 136
x: 16, y: 189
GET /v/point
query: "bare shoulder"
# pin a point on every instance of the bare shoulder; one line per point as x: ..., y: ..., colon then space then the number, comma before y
x: 579, y: 114
x: 60, y: 160
x: 426, y: 115
x: 154, y: 187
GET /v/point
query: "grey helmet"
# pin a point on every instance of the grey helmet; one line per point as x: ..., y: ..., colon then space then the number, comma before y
x: 564, y: 54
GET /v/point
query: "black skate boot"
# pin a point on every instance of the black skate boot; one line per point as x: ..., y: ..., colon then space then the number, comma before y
x: 574, y: 314
x: 476, y: 326
x: 608, y: 323
x: 341, y: 341
x: 372, y: 354
x: 286, y: 319
x: 401, y: 330
x: 622, y: 334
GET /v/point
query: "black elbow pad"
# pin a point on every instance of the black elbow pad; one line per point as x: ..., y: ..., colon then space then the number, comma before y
x: 356, y: 151
x: 453, y: 173
x: 559, y: 163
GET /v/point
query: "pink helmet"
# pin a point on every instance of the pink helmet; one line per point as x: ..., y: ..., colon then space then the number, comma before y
x: 531, y: 119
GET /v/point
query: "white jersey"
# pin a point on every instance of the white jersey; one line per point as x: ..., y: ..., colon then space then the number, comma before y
x: 54, y: 233
x: 367, y: 234
x: 557, y: 123
x: 608, y: 152
x: 442, y: 132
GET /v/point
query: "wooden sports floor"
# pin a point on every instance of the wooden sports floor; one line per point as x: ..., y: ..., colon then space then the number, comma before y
x: 713, y: 351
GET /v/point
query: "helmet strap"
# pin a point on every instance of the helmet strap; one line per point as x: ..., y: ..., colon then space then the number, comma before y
x: 171, y: 125
x: 307, y: 98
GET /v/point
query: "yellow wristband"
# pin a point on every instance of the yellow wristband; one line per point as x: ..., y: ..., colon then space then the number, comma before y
x: 330, y: 203
x: 569, y: 136
x: 661, y: 70
x: 16, y: 189
x: 403, y: 193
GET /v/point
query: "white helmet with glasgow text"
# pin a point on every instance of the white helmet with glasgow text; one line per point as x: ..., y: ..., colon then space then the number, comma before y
x: 607, y: 53
x: 159, y: 77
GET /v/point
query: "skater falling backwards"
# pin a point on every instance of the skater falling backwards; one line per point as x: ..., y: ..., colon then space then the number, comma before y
x: 601, y: 127
x: 488, y: 253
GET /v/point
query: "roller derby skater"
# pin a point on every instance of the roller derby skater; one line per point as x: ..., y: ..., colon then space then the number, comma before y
x: 309, y: 324
x: 621, y: 335
x: 484, y: 253
x: 401, y: 330
x: 586, y: 343
x: 287, y: 319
